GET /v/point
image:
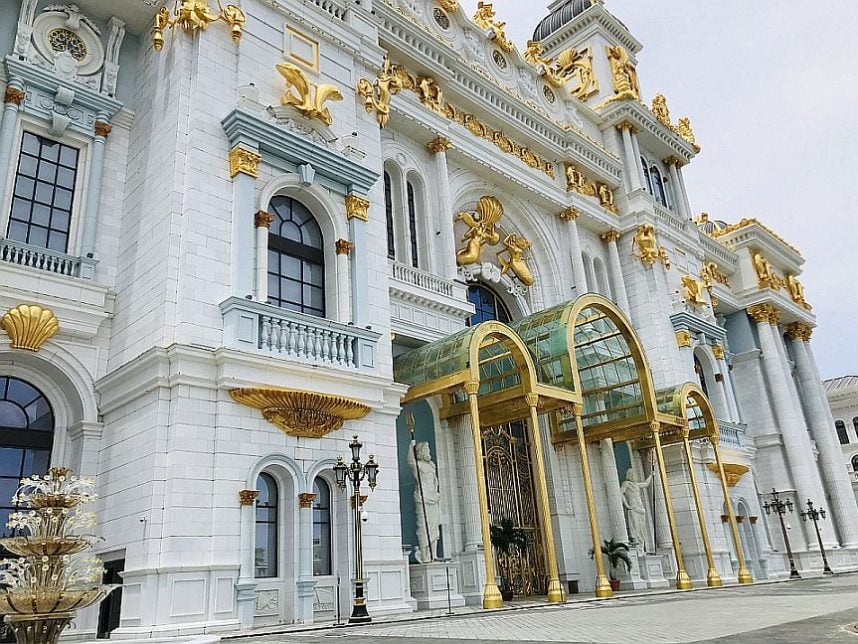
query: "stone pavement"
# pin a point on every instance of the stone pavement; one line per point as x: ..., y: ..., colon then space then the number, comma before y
x: 809, y: 610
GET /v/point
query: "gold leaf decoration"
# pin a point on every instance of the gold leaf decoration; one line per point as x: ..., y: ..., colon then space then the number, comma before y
x: 29, y: 326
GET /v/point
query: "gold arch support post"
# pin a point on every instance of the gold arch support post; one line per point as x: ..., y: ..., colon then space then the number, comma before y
x: 491, y: 593
x: 555, y: 591
x: 744, y: 575
x: 713, y: 579
x: 603, y: 587
x: 683, y: 582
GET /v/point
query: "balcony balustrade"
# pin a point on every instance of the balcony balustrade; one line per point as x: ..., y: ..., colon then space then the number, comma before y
x: 42, y: 259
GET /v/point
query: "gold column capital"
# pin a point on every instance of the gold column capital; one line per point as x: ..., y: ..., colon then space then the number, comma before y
x: 683, y: 338
x: 263, y: 219
x: 673, y: 161
x: 344, y: 247
x: 247, y: 497
x: 764, y: 313
x: 357, y: 207
x: 439, y: 145
x: 718, y: 351
x: 14, y: 95
x: 570, y: 214
x: 531, y: 399
x: 625, y: 125
x: 655, y: 427
x: 472, y: 387
x: 306, y: 499
x: 244, y: 161
x: 102, y: 129
x: 611, y: 236
x: 799, y: 331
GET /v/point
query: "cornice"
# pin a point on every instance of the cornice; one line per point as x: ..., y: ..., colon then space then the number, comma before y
x: 748, y: 232
x: 594, y: 17
x: 640, y: 116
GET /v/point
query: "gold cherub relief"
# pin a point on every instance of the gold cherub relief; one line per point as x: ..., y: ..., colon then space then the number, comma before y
x: 306, y: 97
x: 647, y: 245
x: 481, y: 230
x: 577, y: 182
x: 430, y: 94
x: 606, y: 198
x: 516, y: 247
x: 377, y: 95
x: 692, y: 291
x: 624, y: 76
x: 578, y: 65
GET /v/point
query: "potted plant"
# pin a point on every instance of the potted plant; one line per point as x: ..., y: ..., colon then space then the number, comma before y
x: 507, y: 539
x: 616, y: 552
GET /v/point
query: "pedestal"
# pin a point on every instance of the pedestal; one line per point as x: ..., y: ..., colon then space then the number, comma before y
x: 473, y: 579
x: 430, y: 582
x: 652, y: 571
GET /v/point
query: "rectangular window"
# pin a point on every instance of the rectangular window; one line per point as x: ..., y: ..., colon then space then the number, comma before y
x: 388, y: 214
x: 43, y: 194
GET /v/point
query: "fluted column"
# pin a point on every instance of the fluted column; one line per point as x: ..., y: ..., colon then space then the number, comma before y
x: 611, y: 478
x: 841, y: 499
x: 571, y: 215
x: 616, y: 269
x: 246, y: 585
x: 12, y: 100
x: 635, y: 181
x: 262, y: 223
x: 93, y: 194
x: 446, y: 259
x: 799, y: 450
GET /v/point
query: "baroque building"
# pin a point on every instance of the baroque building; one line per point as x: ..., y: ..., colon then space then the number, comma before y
x: 233, y: 237
x: 843, y: 401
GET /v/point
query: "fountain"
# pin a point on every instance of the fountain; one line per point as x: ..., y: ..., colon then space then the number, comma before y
x: 46, y: 584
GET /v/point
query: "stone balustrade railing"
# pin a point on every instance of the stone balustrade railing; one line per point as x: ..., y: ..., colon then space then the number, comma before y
x: 42, y: 259
x: 732, y: 434
x: 421, y: 279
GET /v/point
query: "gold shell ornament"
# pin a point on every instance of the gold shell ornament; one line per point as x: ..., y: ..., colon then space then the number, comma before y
x: 29, y: 326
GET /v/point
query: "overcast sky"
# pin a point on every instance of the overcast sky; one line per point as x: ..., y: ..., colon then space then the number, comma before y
x: 771, y: 87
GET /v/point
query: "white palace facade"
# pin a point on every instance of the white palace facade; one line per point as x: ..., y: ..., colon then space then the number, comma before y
x: 233, y: 237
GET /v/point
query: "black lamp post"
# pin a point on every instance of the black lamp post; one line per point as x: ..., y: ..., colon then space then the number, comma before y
x: 781, y: 508
x: 356, y: 472
x: 815, y: 515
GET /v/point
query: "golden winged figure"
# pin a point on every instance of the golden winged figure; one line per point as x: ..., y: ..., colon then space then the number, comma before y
x: 481, y: 230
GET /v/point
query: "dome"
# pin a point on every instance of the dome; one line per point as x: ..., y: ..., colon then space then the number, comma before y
x: 709, y: 226
x: 561, y: 16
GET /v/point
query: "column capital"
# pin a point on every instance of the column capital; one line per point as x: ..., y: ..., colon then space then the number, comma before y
x: 655, y: 427
x: 718, y: 351
x: 244, y: 161
x: 531, y: 399
x: 14, y: 95
x: 306, y: 499
x: 247, y: 497
x: 764, y: 313
x: 439, y: 145
x: 683, y: 338
x: 799, y: 331
x: 263, y: 219
x: 357, y: 207
x: 612, y: 236
x: 673, y: 161
x: 344, y: 247
x: 625, y: 125
x: 103, y: 129
x: 472, y: 387
x: 570, y: 214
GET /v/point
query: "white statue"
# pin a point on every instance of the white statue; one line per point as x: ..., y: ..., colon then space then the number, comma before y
x: 427, y: 497
x: 633, y: 503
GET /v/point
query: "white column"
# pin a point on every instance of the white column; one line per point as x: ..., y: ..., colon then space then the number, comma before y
x: 344, y: 309
x: 570, y: 215
x: 678, y: 191
x: 357, y: 212
x: 730, y: 395
x: 797, y: 445
x: 246, y: 586
x: 633, y: 172
x: 616, y: 269
x: 306, y: 583
x: 684, y: 191
x: 12, y: 100
x: 262, y: 221
x: 93, y: 194
x: 843, y: 510
x: 244, y: 168
x: 611, y: 479
x: 470, y: 500
x: 445, y: 260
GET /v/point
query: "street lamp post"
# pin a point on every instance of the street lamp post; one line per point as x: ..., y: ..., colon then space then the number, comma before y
x: 356, y: 472
x: 815, y: 515
x: 781, y: 508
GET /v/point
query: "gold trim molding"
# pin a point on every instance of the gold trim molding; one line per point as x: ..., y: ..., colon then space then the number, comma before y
x: 732, y: 472
x: 357, y: 206
x: 29, y: 326
x: 299, y: 413
x: 244, y: 161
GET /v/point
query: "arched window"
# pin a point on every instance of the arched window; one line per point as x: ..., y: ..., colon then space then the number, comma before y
x: 658, y: 186
x: 322, y: 528
x: 296, y: 261
x: 412, y: 224
x: 265, y: 558
x: 647, y: 178
x: 488, y: 306
x: 855, y: 463
x: 26, y: 438
x: 842, y: 434
x: 388, y: 215
x: 701, y: 374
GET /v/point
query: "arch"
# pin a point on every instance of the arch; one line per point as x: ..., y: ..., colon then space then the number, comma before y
x: 603, y: 285
x: 488, y: 305
x: 418, y: 223
x: 842, y: 434
x: 854, y: 462
x: 281, y: 461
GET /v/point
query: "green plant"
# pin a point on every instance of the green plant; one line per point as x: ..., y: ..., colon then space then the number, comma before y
x: 507, y: 538
x: 616, y: 552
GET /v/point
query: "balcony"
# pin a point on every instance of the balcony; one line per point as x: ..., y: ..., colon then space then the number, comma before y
x: 425, y: 306
x: 270, y: 330
x: 732, y: 434
x: 42, y: 259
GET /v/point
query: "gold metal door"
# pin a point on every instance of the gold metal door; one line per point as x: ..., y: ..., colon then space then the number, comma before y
x: 512, y: 495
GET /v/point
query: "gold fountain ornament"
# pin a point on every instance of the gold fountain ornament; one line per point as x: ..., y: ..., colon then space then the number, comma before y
x: 48, y: 582
x: 306, y: 97
x: 29, y: 326
x: 196, y: 15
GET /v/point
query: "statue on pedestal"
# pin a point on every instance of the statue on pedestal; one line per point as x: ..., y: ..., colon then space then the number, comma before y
x: 427, y: 498
x: 633, y: 503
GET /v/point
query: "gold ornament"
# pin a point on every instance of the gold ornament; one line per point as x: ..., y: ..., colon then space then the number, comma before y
x: 102, y: 129
x: 799, y: 331
x: 764, y: 313
x: 306, y: 499
x: 664, y: 257
x: 796, y: 291
x: 612, y: 236
x: 516, y: 247
x: 244, y: 161
x: 247, y: 497
x: 430, y: 94
x: 357, y: 206
x: 301, y: 413
x: 732, y: 472
x: 606, y: 198
x: 692, y: 291
x: 449, y: 5
x: 578, y: 65
x: 577, y: 182
x: 263, y: 219
x: 376, y: 95
x: 718, y: 351
x: 766, y: 277
x: 570, y: 214
x: 196, y: 15
x: 647, y: 245
x: 659, y: 109
x: 624, y: 76
x: 744, y: 223
x: 710, y: 273
x: 439, y: 145
x: 29, y: 326
x: 683, y: 129
x: 344, y: 247
x: 12, y: 95
x: 306, y: 97
x: 481, y: 230
x: 484, y: 18
x: 683, y: 338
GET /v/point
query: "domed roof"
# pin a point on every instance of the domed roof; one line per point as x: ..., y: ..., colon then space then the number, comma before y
x: 709, y: 226
x: 560, y: 16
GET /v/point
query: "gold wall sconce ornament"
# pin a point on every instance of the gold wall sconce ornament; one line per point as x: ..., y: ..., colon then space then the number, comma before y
x: 247, y: 497
x: 196, y: 15
x: 692, y: 291
x: 732, y: 472
x: 646, y: 245
x: 304, y: 414
x: 515, y: 248
x: 377, y: 94
x: 29, y: 326
x: 305, y: 96
x: 624, y: 76
x: 481, y: 230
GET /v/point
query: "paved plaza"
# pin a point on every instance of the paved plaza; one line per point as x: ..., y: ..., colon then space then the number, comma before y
x: 809, y: 610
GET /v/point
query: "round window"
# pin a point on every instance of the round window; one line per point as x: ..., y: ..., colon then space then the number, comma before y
x: 62, y: 40
x: 500, y: 61
x: 441, y: 18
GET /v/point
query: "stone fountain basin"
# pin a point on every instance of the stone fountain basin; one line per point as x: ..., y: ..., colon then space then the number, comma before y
x: 42, y: 602
x: 40, y: 547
